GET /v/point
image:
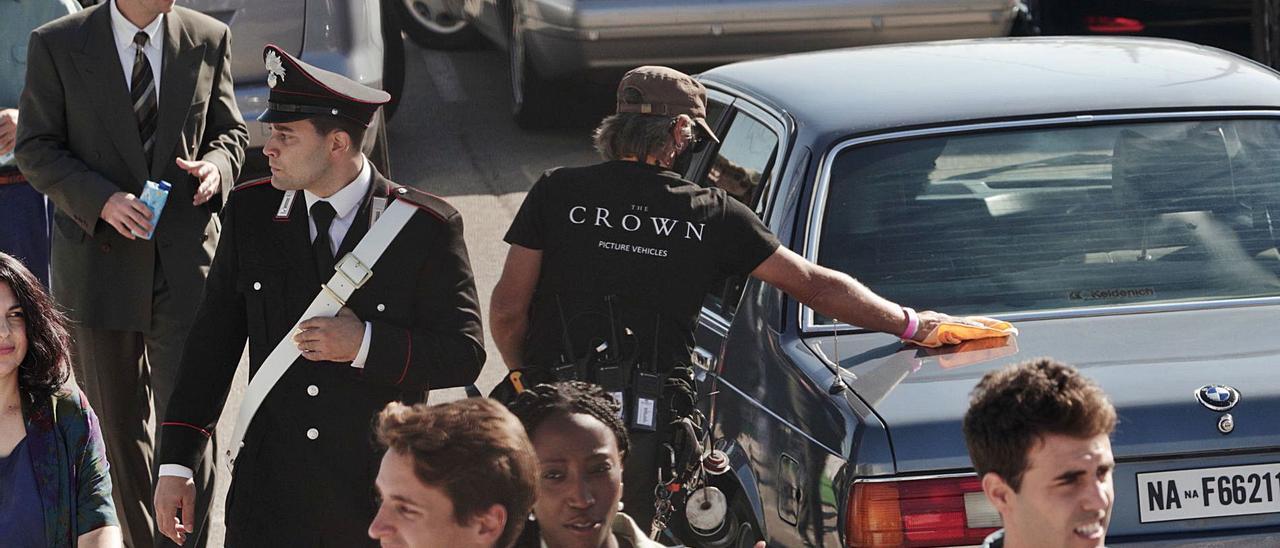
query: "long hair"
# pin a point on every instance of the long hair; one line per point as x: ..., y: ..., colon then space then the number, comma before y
x: 634, y: 134
x: 47, y: 365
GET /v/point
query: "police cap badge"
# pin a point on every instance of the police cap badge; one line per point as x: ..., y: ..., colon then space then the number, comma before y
x: 300, y: 91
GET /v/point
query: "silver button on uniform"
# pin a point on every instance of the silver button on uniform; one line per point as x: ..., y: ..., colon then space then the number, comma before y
x: 312, y: 433
x: 257, y: 286
x: 313, y: 390
x: 382, y: 307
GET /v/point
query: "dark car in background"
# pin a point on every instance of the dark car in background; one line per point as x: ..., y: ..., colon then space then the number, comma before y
x: 1117, y: 198
x: 1226, y: 24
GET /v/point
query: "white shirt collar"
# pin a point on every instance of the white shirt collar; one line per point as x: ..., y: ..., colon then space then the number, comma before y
x: 124, y: 29
x: 346, y: 201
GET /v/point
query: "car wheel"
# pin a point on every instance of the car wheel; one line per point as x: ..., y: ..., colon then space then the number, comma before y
x: 432, y: 26
x: 738, y: 529
x: 393, y: 69
x: 532, y: 102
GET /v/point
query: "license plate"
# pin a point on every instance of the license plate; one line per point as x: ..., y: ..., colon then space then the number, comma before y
x: 1208, y: 492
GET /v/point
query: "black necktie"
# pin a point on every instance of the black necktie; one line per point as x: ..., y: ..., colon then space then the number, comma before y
x: 142, y: 91
x: 323, y: 213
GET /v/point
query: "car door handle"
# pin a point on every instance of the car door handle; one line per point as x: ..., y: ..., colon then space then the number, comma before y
x: 703, y: 358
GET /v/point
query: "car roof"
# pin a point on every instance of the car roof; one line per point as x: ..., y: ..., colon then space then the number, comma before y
x: 877, y: 88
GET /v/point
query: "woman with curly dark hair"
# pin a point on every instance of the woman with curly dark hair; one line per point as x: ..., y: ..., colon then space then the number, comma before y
x: 53, y: 465
x: 581, y: 443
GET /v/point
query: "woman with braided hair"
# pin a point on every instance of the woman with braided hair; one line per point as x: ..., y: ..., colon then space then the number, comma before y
x: 581, y: 444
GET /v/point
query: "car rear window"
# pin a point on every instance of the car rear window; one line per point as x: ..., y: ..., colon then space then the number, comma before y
x: 1061, y: 217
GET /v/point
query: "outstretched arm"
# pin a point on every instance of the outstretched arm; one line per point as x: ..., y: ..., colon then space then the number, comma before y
x: 837, y: 295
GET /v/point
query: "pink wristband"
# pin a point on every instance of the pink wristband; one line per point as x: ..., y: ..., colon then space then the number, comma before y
x: 913, y: 323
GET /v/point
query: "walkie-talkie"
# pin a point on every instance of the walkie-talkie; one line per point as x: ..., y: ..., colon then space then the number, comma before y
x: 646, y: 390
x: 566, y: 369
x: 610, y: 374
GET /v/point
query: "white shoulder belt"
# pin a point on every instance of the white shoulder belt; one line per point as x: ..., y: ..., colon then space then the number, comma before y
x: 351, y: 273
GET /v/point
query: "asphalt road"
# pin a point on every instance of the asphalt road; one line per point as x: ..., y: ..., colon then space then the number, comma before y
x: 453, y: 136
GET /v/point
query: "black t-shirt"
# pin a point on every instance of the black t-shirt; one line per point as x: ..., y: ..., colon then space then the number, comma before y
x: 639, y: 232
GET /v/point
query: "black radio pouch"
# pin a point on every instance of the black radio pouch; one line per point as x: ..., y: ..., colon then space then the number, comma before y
x: 646, y: 392
x: 613, y: 378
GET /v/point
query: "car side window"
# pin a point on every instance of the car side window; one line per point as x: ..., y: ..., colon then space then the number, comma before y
x: 742, y: 165
x: 716, y: 111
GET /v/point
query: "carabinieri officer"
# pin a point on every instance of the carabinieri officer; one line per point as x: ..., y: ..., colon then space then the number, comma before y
x: 304, y: 474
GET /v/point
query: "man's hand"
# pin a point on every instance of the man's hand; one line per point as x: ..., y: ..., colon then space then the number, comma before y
x: 8, y: 130
x: 930, y: 320
x: 335, y: 339
x: 173, y: 495
x: 124, y: 212
x: 207, y: 174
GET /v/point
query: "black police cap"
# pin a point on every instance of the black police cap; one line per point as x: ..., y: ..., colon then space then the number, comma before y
x: 300, y: 91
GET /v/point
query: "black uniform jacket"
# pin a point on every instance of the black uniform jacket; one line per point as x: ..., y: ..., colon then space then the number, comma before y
x: 305, y: 475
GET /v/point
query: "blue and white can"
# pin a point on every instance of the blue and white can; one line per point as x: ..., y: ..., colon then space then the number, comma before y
x: 154, y: 195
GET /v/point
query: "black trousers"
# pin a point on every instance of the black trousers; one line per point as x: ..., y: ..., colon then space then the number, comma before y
x: 128, y: 377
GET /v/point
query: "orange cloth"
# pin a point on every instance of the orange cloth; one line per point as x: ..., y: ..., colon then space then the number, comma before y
x: 955, y: 333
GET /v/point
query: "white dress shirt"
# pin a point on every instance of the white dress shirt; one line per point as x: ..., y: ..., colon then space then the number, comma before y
x: 347, y: 203
x: 124, y: 32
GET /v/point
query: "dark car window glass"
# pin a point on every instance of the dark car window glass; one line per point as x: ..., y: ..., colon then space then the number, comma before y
x: 741, y: 166
x: 715, y: 111
x: 742, y: 163
x: 1062, y: 217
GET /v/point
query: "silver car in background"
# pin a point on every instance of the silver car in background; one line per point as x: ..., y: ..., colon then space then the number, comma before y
x: 342, y: 36
x: 549, y: 41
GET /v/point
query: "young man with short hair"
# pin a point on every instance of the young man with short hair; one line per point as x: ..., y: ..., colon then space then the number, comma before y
x: 409, y: 324
x: 1039, y: 436
x: 461, y: 474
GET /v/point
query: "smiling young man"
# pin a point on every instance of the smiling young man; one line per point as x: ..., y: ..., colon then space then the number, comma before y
x: 1039, y: 436
x: 460, y: 474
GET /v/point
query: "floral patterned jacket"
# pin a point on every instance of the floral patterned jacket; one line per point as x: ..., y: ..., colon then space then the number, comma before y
x: 70, y: 463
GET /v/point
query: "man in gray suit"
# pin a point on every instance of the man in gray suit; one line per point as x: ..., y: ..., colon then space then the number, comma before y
x: 119, y: 94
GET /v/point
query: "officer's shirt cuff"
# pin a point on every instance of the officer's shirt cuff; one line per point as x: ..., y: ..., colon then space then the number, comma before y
x: 176, y: 470
x: 363, y: 354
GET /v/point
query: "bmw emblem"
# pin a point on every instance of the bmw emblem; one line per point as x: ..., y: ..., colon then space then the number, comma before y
x: 1218, y: 397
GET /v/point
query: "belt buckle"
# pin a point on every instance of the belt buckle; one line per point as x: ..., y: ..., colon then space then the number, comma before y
x: 356, y: 272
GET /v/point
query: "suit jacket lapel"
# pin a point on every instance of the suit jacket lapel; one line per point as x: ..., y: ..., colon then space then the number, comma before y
x: 180, y: 68
x: 98, y: 63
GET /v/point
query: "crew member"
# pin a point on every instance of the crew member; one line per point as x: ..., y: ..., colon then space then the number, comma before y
x: 612, y: 261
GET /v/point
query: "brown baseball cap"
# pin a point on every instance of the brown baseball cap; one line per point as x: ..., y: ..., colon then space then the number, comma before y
x: 664, y: 91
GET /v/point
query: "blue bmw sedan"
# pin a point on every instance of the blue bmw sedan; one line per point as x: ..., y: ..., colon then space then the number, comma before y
x: 1117, y: 198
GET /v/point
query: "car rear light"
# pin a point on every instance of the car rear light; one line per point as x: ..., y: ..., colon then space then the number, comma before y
x: 933, y: 512
x: 1110, y: 25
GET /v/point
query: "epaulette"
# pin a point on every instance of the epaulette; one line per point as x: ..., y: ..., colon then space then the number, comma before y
x: 425, y: 201
x: 252, y: 183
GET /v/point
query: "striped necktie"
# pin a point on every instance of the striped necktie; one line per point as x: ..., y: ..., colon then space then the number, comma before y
x: 142, y: 91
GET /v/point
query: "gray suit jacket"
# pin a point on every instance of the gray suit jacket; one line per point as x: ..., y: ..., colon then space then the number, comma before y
x: 78, y: 143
